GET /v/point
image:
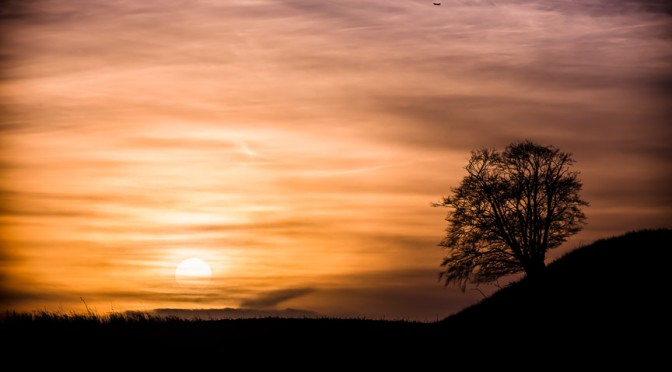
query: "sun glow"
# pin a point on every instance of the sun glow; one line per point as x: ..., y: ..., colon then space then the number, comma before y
x: 193, y: 272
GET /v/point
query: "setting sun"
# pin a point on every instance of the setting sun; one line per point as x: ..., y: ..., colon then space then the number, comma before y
x: 193, y: 272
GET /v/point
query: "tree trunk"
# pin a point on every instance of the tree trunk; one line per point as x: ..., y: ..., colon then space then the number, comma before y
x: 535, y: 269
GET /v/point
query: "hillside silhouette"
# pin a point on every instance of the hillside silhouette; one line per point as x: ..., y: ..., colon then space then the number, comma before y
x: 613, y: 286
x: 613, y: 290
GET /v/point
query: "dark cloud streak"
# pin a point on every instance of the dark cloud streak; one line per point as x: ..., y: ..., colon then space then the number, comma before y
x: 274, y: 298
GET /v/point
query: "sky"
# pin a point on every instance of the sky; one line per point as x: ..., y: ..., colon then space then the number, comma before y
x: 295, y: 146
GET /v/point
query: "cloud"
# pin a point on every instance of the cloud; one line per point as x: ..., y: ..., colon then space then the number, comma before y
x: 274, y: 298
x: 303, y: 140
x: 392, y: 294
x: 10, y: 299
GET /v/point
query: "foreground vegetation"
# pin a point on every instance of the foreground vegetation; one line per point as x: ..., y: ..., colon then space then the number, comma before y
x: 144, y: 329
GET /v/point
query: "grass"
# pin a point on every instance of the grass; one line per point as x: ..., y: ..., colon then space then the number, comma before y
x: 610, y: 293
x: 136, y: 329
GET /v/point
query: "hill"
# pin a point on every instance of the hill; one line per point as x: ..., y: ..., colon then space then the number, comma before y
x: 609, y: 288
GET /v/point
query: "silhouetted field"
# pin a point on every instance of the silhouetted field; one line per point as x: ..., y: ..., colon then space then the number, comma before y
x: 21, y: 329
x: 614, y: 290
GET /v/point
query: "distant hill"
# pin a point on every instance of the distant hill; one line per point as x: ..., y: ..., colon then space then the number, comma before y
x: 611, y: 287
x: 230, y: 313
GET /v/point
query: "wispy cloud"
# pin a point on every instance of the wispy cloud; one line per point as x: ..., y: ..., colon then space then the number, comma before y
x: 274, y: 298
x: 303, y: 141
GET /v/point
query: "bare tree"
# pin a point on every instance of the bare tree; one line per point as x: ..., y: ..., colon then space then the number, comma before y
x: 510, y: 209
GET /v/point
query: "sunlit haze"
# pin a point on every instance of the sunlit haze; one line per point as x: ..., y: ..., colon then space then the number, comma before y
x: 295, y: 146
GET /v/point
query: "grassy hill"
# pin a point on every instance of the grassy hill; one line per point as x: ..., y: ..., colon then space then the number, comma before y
x: 612, y: 286
x: 614, y: 289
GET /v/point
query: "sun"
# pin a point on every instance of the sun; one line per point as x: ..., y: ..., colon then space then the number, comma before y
x: 193, y: 272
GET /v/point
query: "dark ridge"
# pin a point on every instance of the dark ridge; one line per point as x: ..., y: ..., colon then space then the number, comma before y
x: 613, y: 286
x: 230, y: 313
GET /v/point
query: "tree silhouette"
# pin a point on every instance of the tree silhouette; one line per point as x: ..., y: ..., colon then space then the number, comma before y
x: 510, y: 209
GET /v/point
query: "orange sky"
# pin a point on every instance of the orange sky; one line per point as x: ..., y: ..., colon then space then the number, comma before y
x: 296, y: 145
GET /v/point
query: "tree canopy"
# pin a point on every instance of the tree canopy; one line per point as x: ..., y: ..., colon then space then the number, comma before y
x: 508, y: 211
